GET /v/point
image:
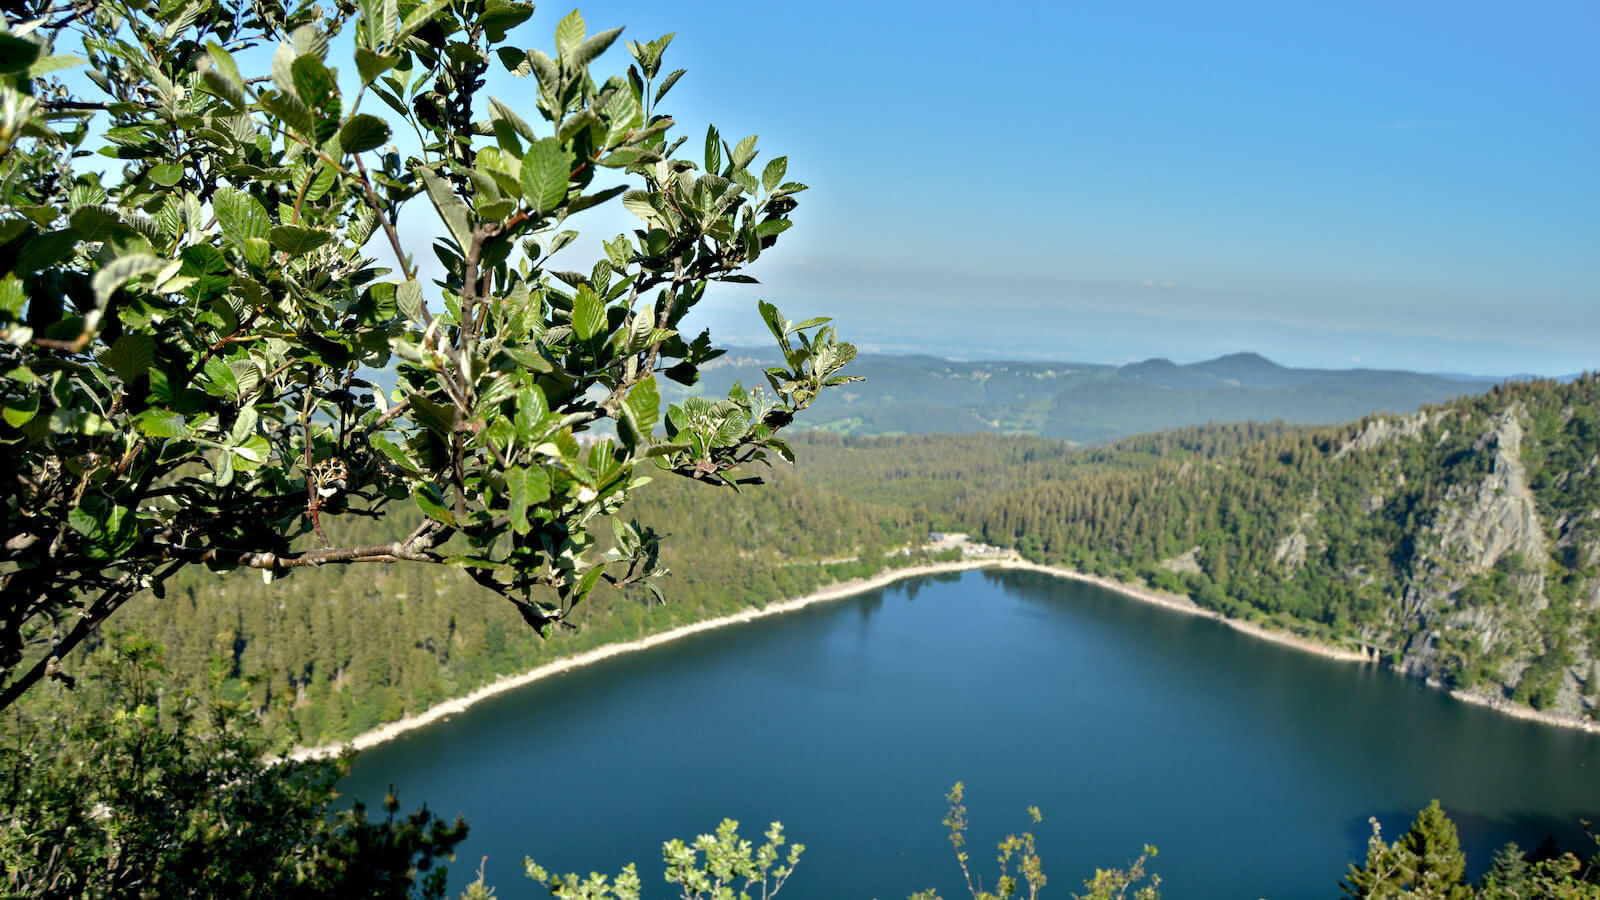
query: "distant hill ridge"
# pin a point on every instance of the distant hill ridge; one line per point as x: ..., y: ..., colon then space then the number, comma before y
x: 1090, y: 402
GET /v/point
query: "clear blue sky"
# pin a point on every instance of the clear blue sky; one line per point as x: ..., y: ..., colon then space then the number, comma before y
x: 1393, y: 184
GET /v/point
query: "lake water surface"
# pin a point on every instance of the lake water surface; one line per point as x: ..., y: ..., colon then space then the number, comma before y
x: 1253, y: 767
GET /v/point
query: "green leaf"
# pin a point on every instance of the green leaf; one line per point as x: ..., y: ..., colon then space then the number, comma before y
x: 532, y: 407
x: 773, y: 174
x: 589, y: 580
x: 362, y: 133
x: 408, y: 298
x: 418, y: 18
x: 224, y: 63
x: 19, y: 408
x: 515, y: 61
x: 713, y: 150
x: 500, y: 16
x: 316, y: 87
x: 108, y: 530
x: 296, y: 240
x: 220, y: 380
x: 241, y: 215
x: 500, y: 110
x: 395, y: 453
x: 372, y: 64
x: 526, y: 487
x: 92, y: 222
x: 451, y: 209
x: 166, y: 174
x: 586, y: 52
x: 283, y: 68
x: 569, y: 34
x: 121, y: 271
x: 588, y: 313
x: 436, y: 417
x: 390, y: 23
x: 161, y: 423
x: 45, y: 250
x: 291, y: 110
x: 257, y: 251
x: 130, y: 357
x: 744, y: 152
x: 50, y: 64
x: 776, y: 323
x: 644, y: 402
x: 430, y: 500
x: 549, y: 74
x: 17, y: 54
x: 667, y: 83
x: 545, y: 168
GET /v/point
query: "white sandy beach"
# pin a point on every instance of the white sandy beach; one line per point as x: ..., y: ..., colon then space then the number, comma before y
x: 844, y: 589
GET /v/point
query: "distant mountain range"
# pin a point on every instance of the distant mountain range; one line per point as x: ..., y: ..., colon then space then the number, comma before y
x: 1089, y: 402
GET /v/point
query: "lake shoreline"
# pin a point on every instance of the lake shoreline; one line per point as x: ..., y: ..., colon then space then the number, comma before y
x: 844, y: 589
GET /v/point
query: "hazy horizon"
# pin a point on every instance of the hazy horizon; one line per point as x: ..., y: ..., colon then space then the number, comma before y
x: 1363, y: 185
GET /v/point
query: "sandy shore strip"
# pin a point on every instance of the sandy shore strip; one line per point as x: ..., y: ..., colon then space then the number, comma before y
x: 505, y: 683
x: 1175, y: 602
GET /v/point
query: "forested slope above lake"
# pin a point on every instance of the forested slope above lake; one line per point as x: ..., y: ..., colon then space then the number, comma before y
x: 1459, y: 542
x: 335, y: 650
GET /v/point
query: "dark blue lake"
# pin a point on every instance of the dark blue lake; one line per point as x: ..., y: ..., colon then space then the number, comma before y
x: 1253, y: 767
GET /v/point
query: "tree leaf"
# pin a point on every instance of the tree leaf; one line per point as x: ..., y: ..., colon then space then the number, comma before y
x: 161, y: 423
x: 240, y: 214
x: 545, y: 169
x: 569, y: 34
x: 499, y: 16
x: 503, y: 111
x: 772, y: 175
x: 121, y: 271
x: 296, y: 240
x: 17, y: 54
x: 390, y: 23
x: 430, y: 500
x: 586, y: 52
x: 667, y: 83
x: 362, y: 133
x: 408, y: 298
x: 48, y: 64
x: 526, y: 487
x: 418, y: 18
x: 45, y: 250
x: 372, y: 64
x: 283, y: 67
x: 399, y: 456
x: 644, y: 401
x: 436, y: 417
x: 588, y: 313
x: 744, y: 151
x: 713, y: 150
x: 20, y: 408
x: 220, y: 380
x: 130, y: 357
x: 451, y: 208
x: 93, y: 222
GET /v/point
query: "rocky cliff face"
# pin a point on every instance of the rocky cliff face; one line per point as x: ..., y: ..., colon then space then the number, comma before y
x: 1496, y: 507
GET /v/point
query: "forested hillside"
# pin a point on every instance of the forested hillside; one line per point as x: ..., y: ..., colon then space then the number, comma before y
x: 336, y: 650
x: 1460, y: 543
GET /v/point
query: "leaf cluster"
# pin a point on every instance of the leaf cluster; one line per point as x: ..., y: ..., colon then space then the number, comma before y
x: 204, y: 358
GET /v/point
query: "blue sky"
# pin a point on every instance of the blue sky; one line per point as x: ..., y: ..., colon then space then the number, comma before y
x: 1396, y: 184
